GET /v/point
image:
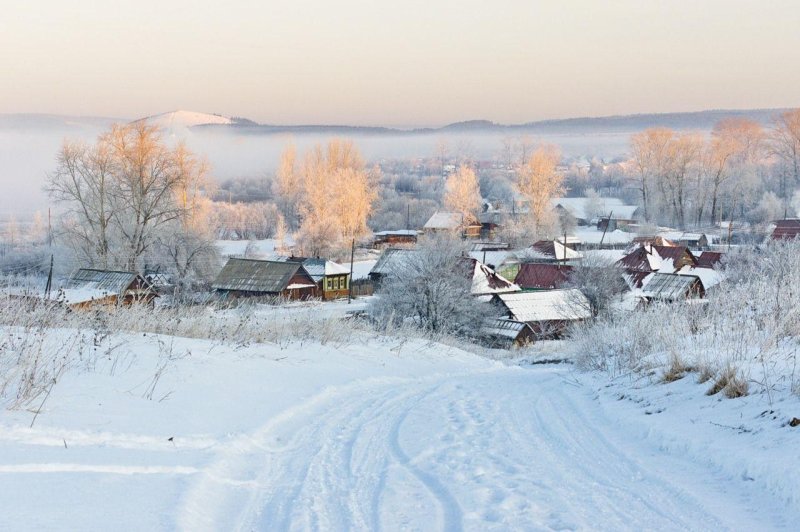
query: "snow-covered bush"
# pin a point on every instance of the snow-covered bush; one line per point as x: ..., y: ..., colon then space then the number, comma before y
x: 431, y: 288
x: 745, y: 335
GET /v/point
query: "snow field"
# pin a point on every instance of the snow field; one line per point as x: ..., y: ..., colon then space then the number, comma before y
x: 377, y: 434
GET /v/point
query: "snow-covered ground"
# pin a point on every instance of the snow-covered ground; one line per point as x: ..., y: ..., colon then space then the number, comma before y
x: 378, y: 433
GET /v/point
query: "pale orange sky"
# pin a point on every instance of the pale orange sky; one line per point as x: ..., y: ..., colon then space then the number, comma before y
x: 397, y: 63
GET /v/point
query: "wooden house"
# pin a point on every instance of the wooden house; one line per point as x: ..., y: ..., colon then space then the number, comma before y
x: 332, y: 279
x: 245, y: 278
x: 441, y: 222
x: 88, y: 287
x: 548, y: 312
x: 401, y: 237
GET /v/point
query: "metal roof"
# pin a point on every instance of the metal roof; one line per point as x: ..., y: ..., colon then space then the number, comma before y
x: 542, y: 276
x: 548, y: 305
x: 251, y: 275
x: 669, y: 286
x: 316, y: 268
x: 110, y: 282
x: 504, y: 328
x: 390, y: 261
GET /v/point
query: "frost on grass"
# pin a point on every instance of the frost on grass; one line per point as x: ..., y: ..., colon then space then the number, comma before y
x: 743, y: 339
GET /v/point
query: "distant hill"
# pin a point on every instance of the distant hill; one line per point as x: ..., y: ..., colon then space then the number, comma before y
x: 185, y: 119
x: 701, y: 120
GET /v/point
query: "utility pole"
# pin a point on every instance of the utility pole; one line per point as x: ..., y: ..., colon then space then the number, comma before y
x: 49, y: 284
x: 608, y: 222
x: 350, y: 284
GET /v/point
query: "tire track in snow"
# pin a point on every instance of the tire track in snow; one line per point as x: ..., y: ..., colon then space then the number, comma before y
x: 508, y: 448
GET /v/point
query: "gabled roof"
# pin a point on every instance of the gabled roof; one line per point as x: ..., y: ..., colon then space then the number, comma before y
x: 670, y: 286
x: 709, y: 259
x: 445, y: 220
x: 548, y: 305
x: 494, y: 259
x: 537, y: 276
x: 555, y: 250
x: 677, y: 254
x: 504, y: 328
x: 262, y: 276
x: 316, y: 268
x: 486, y: 281
x: 642, y: 259
x: 788, y: 229
x: 635, y: 278
x: 103, y: 281
x: 390, y: 261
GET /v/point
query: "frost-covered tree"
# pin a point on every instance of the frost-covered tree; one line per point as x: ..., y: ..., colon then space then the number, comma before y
x: 539, y: 182
x: 121, y: 193
x: 337, y: 199
x: 462, y: 195
x: 430, y: 287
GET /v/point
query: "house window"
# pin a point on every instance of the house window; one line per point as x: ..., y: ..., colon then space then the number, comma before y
x: 330, y: 284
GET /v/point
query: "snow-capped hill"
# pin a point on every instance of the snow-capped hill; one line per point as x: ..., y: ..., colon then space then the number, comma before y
x: 186, y: 119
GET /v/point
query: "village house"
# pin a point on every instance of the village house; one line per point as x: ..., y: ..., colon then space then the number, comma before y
x: 548, y: 312
x: 332, y: 279
x: 88, y: 287
x: 398, y: 237
x: 591, y: 211
x: 442, y: 222
x: 247, y: 278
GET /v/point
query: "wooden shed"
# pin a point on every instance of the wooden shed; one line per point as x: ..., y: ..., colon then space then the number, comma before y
x: 265, y: 278
x: 504, y: 333
x: 89, y: 287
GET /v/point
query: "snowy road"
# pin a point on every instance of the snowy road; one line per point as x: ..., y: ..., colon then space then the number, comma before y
x: 494, y: 449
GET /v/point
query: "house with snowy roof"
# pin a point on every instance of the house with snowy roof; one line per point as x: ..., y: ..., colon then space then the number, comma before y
x: 253, y: 278
x: 548, y: 312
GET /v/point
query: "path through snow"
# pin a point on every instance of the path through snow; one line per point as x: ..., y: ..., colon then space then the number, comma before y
x: 499, y: 448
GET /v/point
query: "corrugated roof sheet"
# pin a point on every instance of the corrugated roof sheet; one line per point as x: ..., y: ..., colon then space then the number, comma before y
x: 250, y: 275
x: 391, y: 260
x: 504, y: 328
x: 549, y: 305
x: 709, y: 259
x: 101, y: 281
x: 669, y: 286
x: 537, y: 276
x: 786, y: 229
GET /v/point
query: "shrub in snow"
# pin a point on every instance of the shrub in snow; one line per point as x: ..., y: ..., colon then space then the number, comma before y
x: 430, y: 288
x: 745, y: 335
